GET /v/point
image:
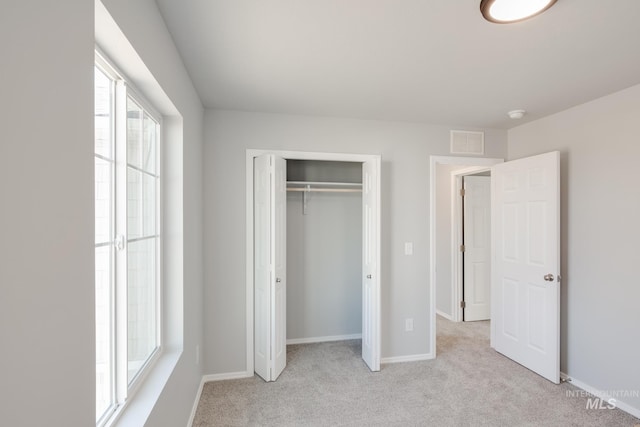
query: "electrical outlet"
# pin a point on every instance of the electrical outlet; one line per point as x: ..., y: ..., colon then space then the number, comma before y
x: 408, y: 248
x: 408, y: 325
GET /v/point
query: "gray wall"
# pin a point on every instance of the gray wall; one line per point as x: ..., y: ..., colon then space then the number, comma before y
x: 46, y: 218
x: 405, y: 150
x: 46, y: 180
x: 324, y: 265
x: 600, y: 258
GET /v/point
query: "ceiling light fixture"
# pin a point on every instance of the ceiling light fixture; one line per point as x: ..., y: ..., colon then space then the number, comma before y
x: 516, y: 114
x: 507, y: 11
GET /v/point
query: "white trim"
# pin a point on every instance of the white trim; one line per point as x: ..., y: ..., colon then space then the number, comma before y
x: 297, y: 155
x: 329, y: 338
x: 410, y: 358
x: 250, y: 155
x: 227, y: 376
x: 313, y: 155
x: 601, y: 394
x: 456, y: 255
x: 445, y: 315
x: 433, y: 162
x: 194, y: 408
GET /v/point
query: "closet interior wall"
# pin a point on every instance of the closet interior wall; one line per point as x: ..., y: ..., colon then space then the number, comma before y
x: 324, y: 251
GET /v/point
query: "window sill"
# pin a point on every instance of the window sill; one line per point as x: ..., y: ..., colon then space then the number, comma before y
x: 137, y: 409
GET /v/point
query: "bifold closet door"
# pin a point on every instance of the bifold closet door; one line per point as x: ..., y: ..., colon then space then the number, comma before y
x: 270, y: 284
x: 370, y: 264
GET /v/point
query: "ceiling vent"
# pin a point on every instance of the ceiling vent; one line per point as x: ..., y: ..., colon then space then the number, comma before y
x: 464, y: 142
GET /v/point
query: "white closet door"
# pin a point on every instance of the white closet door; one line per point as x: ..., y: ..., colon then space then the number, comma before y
x: 279, y: 250
x: 270, y: 353
x: 370, y: 264
x: 526, y: 264
x: 477, y: 244
x: 262, y: 266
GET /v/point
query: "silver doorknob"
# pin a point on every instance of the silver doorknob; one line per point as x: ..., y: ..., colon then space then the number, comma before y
x: 368, y: 276
x: 278, y: 280
x: 548, y: 277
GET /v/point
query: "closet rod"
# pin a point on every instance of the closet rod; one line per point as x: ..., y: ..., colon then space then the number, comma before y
x: 327, y: 190
x: 324, y: 184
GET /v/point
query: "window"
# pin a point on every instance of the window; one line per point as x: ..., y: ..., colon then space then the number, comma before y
x: 127, y: 239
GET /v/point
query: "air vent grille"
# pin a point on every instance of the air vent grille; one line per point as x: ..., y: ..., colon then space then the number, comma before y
x: 465, y: 142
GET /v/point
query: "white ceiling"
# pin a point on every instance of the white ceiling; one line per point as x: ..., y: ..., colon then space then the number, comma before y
x: 434, y: 61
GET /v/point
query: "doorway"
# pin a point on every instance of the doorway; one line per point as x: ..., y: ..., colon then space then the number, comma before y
x: 445, y: 256
x: 525, y: 241
x: 266, y: 257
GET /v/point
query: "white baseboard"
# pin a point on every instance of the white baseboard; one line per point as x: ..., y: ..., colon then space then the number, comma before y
x: 324, y: 339
x: 601, y: 394
x: 195, y: 403
x: 227, y: 376
x: 445, y: 315
x: 410, y: 358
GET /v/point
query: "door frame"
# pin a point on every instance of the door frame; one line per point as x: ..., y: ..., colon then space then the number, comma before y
x: 293, y: 155
x: 433, y: 162
x: 457, y: 262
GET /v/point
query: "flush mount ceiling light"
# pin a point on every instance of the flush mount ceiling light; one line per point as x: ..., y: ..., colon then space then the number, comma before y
x: 507, y: 11
x: 516, y: 114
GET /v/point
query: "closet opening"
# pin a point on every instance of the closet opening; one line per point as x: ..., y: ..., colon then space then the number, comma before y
x: 324, y: 251
x: 313, y: 234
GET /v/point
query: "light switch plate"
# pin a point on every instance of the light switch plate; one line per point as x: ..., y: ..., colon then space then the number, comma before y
x: 408, y: 248
x: 408, y: 325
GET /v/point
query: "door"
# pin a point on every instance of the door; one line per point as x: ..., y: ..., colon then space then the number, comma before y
x: 370, y: 264
x: 477, y: 248
x: 270, y: 290
x: 526, y: 262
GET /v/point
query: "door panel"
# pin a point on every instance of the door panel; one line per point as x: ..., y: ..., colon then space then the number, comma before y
x: 279, y: 298
x: 270, y: 266
x: 262, y: 266
x: 270, y: 291
x: 526, y: 240
x: 477, y: 242
x: 370, y: 266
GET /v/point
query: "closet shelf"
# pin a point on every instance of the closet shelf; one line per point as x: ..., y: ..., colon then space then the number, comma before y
x: 319, y: 186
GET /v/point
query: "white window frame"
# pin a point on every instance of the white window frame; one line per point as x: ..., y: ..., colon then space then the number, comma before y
x: 123, y: 390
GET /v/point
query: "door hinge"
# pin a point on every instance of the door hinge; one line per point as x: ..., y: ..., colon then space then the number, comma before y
x: 462, y: 248
x: 463, y: 304
x: 462, y: 192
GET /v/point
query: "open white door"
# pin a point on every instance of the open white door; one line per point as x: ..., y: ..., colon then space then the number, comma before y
x: 270, y: 351
x: 526, y: 262
x: 370, y: 264
x: 477, y: 248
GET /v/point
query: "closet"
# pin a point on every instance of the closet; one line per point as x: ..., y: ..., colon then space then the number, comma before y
x: 324, y: 251
x: 302, y: 209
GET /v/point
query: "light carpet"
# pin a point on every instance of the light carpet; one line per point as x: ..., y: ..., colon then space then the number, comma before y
x: 468, y: 384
